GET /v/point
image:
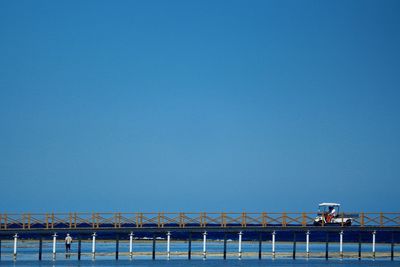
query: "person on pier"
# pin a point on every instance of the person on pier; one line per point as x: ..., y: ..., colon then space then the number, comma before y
x: 331, y: 214
x: 68, y: 242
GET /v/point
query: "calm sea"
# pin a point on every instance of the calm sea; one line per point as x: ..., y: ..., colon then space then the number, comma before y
x: 28, y: 254
x: 208, y: 263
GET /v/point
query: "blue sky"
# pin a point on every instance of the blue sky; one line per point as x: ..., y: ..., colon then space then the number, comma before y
x: 199, y: 105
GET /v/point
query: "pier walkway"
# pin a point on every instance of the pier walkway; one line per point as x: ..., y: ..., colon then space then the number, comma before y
x: 366, y: 227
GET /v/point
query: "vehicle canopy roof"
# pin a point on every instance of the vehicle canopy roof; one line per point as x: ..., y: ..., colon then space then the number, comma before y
x: 329, y: 204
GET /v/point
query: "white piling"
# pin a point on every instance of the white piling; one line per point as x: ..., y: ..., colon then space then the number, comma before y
x: 15, y: 246
x: 93, y: 246
x: 273, y: 244
x: 131, y: 245
x: 341, y: 245
x: 308, y: 244
x: 204, y: 245
x: 168, y: 245
x: 373, y: 244
x: 240, y: 245
x: 54, y: 246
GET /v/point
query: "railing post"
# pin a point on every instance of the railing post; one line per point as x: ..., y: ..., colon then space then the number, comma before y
x: 284, y: 219
x: 29, y: 221
x: 381, y: 219
x: 244, y: 219
x: 5, y: 220
x: 75, y: 220
x: 47, y: 221
x: 52, y: 220
x: 181, y: 220
x: 23, y: 220
x: 362, y: 219
x: 304, y: 219
x: 70, y: 220
x: 264, y: 219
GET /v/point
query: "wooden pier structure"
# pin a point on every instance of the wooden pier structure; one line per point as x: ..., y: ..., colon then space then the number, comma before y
x: 366, y: 227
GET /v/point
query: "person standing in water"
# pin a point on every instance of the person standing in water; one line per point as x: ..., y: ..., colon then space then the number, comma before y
x: 68, y: 241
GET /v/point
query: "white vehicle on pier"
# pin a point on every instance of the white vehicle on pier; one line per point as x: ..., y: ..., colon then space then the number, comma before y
x: 328, y: 214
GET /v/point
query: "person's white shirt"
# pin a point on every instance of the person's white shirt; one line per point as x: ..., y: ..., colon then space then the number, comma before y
x: 333, y: 212
x: 68, y: 239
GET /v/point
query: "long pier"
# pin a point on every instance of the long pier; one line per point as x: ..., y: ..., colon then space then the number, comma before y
x: 371, y: 228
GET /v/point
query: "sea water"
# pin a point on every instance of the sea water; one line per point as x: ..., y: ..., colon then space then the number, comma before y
x: 27, y: 254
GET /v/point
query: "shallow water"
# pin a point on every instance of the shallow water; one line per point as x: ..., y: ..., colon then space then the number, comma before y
x: 207, y: 263
x: 27, y: 254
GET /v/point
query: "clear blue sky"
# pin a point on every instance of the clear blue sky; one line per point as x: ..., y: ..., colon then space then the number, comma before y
x: 199, y: 105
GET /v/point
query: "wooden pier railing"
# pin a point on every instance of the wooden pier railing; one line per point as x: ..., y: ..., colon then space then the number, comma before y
x: 182, y: 220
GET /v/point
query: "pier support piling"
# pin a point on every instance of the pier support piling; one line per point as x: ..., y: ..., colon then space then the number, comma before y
x: 260, y: 246
x: 204, y: 245
x: 40, y: 248
x: 294, y: 245
x: 153, y: 254
x: 225, y: 236
x: 93, y: 246
x: 341, y: 244
x: 373, y: 244
x: 308, y: 244
x: 273, y: 244
x: 15, y: 247
x: 54, y: 246
x: 240, y: 246
x: 359, y: 246
x: 117, y: 247
x: 131, y: 245
x: 392, y: 248
x: 168, y: 245
x: 327, y: 246
x: 190, y: 246
x: 79, y: 248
